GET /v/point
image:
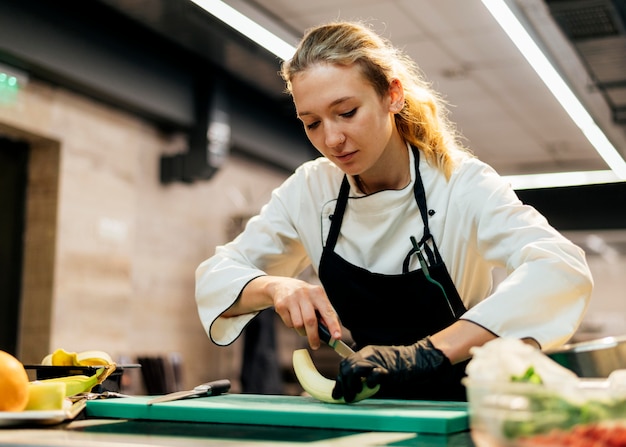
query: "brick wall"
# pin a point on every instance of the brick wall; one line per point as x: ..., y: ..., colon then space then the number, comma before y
x: 110, y: 253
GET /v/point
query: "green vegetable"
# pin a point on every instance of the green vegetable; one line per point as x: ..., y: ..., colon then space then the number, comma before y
x: 529, y: 376
x: 546, y: 410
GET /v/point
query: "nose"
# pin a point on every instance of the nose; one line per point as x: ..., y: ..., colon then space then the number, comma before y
x: 334, y: 138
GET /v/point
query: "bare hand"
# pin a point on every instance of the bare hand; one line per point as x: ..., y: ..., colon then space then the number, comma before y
x: 296, y: 302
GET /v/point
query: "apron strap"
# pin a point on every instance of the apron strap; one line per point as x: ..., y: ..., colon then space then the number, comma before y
x: 420, y: 197
x: 337, y: 217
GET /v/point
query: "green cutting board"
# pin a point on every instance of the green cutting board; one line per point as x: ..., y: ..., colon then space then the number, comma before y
x: 294, y: 411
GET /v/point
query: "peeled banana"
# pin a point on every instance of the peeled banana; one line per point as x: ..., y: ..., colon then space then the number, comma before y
x: 316, y: 384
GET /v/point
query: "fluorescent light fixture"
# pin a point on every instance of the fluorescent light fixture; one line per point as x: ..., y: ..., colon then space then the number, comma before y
x: 529, y: 49
x: 548, y: 74
x: 557, y: 179
x: 247, y: 27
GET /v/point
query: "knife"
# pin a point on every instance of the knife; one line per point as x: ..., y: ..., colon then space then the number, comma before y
x: 339, y: 346
x: 206, y: 389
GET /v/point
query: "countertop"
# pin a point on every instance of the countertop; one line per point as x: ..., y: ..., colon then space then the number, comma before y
x: 127, y: 433
x: 251, y: 420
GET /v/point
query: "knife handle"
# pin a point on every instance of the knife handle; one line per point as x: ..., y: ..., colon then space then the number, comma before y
x: 217, y: 387
x: 323, y: 332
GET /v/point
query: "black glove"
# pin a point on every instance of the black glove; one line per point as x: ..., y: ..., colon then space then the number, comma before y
x: 376, y: 365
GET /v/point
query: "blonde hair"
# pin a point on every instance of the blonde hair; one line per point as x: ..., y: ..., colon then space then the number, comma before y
x: 423, y: 121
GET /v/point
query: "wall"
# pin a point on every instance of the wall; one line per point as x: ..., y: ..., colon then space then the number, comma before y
x: 126, y: 246
x: 123, y: 248
x: 606, y: 314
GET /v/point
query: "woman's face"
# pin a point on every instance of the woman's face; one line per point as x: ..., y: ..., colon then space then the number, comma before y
x: 343, y: 116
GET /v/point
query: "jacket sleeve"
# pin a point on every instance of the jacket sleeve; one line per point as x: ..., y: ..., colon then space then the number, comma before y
x: 548, y: 283
x: 269, y: 245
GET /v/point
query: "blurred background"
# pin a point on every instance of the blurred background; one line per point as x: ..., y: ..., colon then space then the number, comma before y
x: 136, y: 135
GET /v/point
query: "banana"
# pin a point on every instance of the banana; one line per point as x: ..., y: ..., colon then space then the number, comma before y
x: 46, y: 396
x: 50, y: 393
x: 316, y: 384
x: 61, y: 357
x: 76, y: 384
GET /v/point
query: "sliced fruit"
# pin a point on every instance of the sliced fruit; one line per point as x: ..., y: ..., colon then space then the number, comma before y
x: 318, y: 386
x: 46, y: 395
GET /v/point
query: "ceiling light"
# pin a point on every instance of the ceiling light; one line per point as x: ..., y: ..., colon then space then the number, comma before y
x: 559, y: 179
x: 555, y: 83
x: 531, y: 52
x: 248, y: 27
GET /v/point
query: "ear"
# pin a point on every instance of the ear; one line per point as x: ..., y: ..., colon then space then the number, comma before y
x: 396, y: 96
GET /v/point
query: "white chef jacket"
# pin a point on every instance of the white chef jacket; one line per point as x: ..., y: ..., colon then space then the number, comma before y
x: 478, y: 224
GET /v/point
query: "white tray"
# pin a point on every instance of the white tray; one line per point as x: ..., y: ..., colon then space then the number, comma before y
x: 44, y: 417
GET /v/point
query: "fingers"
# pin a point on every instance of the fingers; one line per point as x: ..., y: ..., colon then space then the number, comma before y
x: 331, y: 320
x: 354, y: 372
x: 299, y: 303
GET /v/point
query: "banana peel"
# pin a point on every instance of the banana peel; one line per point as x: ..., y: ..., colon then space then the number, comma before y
x: 79, y: 383
x: 61, y: 357
x: 92, y: 358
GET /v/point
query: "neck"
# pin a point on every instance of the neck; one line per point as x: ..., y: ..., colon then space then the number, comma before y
x: 371, y: 185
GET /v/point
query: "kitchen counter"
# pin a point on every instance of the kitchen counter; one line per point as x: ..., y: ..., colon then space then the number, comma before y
x: 253, y: 420
x: 127, y: 433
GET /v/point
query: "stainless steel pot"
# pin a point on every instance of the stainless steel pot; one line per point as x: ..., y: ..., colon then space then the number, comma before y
x: 594, y: 358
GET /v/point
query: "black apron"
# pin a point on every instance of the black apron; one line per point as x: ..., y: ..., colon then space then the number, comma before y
x: 397, y: 309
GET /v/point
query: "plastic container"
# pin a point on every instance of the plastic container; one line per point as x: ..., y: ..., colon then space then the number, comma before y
x: 517, y: 414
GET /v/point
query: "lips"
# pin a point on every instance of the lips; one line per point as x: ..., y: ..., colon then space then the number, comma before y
x: 344, y: 158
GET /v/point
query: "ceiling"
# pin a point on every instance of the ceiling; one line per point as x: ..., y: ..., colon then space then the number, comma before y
x: 503, y: 109
x: 507, y: 115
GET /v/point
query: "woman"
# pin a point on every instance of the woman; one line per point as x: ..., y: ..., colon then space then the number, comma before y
x: 403, y: 227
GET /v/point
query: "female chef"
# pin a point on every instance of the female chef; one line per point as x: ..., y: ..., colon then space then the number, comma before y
x: 403, y: 226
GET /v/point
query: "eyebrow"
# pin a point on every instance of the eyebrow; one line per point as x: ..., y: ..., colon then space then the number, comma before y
x: 332, y: 104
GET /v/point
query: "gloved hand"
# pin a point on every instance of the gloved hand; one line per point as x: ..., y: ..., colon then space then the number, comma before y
x: 376, y: 365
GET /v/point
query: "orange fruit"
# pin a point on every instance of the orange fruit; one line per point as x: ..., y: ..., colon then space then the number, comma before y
x: 14, y: 383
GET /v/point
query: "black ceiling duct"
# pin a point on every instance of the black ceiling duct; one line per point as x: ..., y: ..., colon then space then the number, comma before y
x: 597, y: 31
x: 588, y: 19
x: 209, y: 140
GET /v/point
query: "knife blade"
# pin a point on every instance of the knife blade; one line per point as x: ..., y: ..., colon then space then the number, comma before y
x: 213, y: 388
x: 339, y: 346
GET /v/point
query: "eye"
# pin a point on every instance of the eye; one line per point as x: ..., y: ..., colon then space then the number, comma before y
x: 349, y: 114
x: 312, y: 125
